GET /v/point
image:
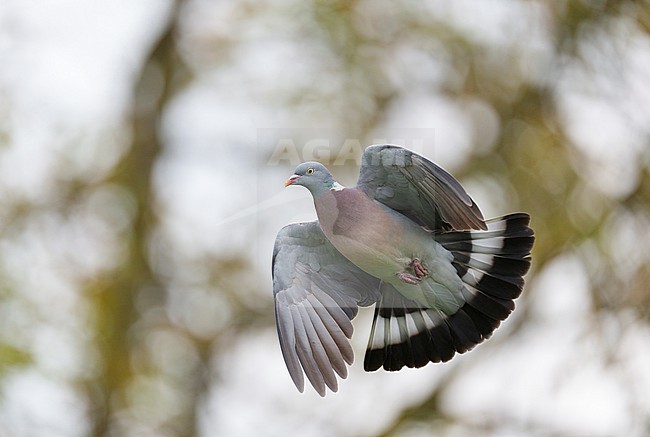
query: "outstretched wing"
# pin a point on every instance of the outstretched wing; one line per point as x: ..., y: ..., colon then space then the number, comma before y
x: 417, y: 188
x: 317, y: 292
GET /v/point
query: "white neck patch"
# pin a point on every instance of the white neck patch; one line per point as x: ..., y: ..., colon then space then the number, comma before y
x: 336, y: 186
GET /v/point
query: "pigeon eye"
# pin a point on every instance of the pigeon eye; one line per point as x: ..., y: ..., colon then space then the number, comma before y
x: 310, y: 170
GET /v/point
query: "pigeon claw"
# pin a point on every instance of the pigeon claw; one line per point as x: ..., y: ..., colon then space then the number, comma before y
x: 408, y: 278
x: 419, y: 268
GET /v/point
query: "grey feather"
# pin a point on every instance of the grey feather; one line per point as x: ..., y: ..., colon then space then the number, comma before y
x: 339, y: 337
x: 286, y: 333
x: 317, y: 291
x: 417, y: 188
x: 332, y: 350
x: 318, y: 350
x: 305, y: 354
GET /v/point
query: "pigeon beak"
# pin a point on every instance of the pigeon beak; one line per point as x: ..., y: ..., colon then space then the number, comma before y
x: 291, y: 180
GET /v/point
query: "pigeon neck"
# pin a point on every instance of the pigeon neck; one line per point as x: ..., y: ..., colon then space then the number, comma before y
x: 329, y: 186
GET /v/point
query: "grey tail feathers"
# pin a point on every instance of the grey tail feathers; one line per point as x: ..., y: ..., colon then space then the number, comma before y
x: 491, y: 264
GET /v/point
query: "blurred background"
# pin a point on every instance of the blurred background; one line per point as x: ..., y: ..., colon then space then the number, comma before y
x: 143, y: 147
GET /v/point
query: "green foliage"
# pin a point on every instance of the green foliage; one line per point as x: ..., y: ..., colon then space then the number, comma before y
x: 12, y: 357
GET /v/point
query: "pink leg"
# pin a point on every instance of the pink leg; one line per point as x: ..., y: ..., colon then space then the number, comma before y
x: 408, y: 278
x: 419, y: 268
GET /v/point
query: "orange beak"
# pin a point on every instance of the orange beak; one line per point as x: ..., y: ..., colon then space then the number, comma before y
x: 291, y: 180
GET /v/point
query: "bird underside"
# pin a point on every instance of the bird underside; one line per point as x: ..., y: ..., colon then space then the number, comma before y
x: 419, y: 271
x: 491, y: 265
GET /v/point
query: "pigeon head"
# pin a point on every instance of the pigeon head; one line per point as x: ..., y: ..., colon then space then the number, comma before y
x: 312, y: 175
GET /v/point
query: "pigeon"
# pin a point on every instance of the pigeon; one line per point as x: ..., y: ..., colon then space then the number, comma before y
x: 408, y: 239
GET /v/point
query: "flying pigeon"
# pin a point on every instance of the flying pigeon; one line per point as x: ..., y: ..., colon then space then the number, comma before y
x: 407, y: 238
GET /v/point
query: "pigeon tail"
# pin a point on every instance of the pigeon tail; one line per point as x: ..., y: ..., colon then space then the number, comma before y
x: 491, y: 264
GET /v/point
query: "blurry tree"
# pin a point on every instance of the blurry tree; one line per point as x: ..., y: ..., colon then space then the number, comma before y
x: 120, y: 329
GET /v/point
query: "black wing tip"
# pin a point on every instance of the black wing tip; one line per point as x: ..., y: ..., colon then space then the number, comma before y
x: 459, y: 333
x: 509, y: 242
x: 511, y: 216
x: 373, y: 360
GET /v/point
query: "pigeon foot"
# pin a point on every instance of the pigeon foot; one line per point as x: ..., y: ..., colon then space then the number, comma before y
x: 408, y: 278
x: 420, y: 270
